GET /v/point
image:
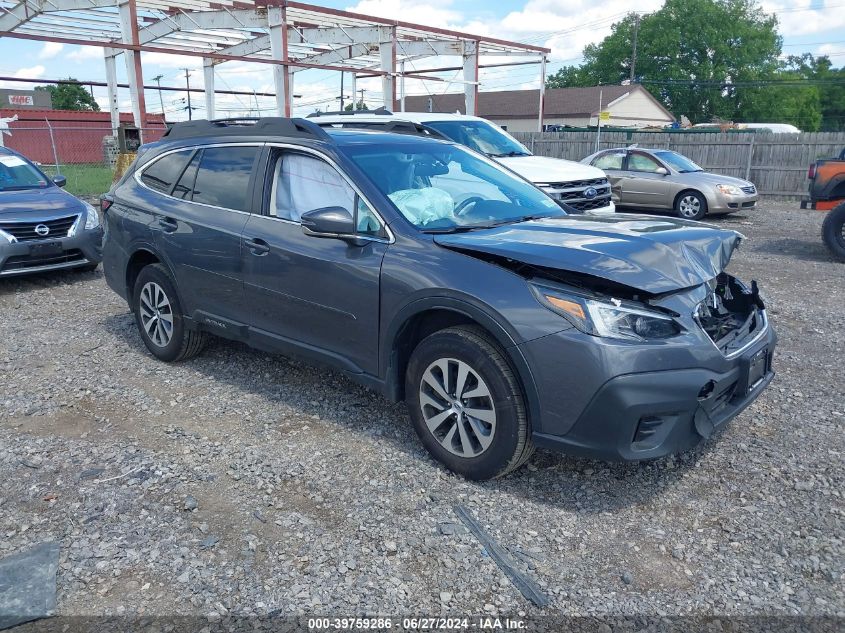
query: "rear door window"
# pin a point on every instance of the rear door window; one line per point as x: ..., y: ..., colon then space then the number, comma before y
x: 184, y: 189
x: 223, y: 177
x: 162, y: 174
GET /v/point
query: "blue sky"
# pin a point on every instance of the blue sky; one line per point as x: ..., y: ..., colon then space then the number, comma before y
x: 565, y: 26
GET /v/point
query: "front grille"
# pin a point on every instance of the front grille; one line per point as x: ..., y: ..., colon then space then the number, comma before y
x: 572, y: 193
x: 22, y: 262
x: 581, y: 184
x: 25, y: 231
x: 749, y: 190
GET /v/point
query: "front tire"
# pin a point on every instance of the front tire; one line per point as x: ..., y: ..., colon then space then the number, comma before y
x: 466, y: 404
x: 690, y: 205
x: 833, y: 231
x: 158, y: 314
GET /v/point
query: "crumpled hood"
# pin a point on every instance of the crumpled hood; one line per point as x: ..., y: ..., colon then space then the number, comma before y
x: 42, y: 204
x: 647, y: 253
x: 540, y: 169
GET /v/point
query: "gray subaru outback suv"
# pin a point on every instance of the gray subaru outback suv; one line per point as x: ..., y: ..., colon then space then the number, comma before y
x: 429, y: 273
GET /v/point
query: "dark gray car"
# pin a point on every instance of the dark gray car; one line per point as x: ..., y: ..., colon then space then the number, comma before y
x: 42, y: 227
x: 502, y: 322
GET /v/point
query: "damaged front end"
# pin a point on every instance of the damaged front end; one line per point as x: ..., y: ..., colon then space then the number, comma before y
x: 733, y: 315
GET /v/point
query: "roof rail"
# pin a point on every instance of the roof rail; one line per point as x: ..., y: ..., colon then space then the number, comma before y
x: 248, y: 126
x: 409, y: 127
x: 382, y: 111
x: 397, y: 127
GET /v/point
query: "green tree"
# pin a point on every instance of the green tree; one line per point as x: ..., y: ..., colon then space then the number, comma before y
x: 70, y: 96
x: 830, y: 84
x: 705, y: 59
x: 358, y: 106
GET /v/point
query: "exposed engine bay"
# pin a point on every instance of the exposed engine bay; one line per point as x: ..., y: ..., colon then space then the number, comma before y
x: 731, y: 313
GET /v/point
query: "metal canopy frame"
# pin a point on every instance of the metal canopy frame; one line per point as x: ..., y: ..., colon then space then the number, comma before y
x: 290, y: 36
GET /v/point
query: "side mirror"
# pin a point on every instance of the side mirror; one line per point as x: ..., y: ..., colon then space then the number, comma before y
x: 332, y: 222
x: 662, y: 171
x: 59, y: 180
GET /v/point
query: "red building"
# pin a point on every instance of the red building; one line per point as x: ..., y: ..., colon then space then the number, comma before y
x: 78, y: 135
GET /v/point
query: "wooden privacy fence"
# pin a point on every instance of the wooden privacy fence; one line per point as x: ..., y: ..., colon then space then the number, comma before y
x: 775, y: 163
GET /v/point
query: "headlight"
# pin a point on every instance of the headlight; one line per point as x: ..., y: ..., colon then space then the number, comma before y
x: 729, y: 190
x: 92, y: 218
x: 611, y: 319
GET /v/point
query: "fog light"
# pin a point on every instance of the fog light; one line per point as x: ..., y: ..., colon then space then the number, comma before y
x: 706, y: 390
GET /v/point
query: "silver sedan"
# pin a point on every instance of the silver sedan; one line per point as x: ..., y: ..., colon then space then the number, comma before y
x: 658, y: 179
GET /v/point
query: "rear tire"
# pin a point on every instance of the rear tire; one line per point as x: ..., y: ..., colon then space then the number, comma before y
x: 690, y: 205
x: 467, y: 405
x: 158, y: 314
x: 833, y: 231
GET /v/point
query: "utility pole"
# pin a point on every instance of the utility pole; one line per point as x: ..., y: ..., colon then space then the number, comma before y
x: 634, y: 52
x: 341, y: 93
x: 598, y: 123
x: 188, y: 84
x: 160, y: 100
x: 362, y: 91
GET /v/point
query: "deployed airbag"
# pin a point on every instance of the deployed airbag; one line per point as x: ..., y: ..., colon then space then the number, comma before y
x: 424, y: 206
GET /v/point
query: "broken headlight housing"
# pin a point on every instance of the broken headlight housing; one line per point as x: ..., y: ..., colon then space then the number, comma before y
x: 610, y: 318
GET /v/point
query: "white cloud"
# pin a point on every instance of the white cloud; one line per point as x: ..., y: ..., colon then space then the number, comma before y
x: 807, y: 17
x: 33, y: 72
x: 50, y: 50
x: 80, y: 53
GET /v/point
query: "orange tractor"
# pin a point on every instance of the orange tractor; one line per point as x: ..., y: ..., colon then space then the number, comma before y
x: 827, y: 193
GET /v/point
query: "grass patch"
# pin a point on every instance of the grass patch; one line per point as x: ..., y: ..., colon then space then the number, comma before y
x: 89, y: 179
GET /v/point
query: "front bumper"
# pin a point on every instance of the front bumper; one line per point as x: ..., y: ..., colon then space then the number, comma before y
x: 635, y: 415
x: 23, y: 258
x: 721, y: 203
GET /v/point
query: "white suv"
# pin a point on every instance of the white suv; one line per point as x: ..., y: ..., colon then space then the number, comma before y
x: 582, y: 187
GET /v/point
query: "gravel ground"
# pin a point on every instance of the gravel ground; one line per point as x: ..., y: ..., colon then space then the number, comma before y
x: 244, y: 483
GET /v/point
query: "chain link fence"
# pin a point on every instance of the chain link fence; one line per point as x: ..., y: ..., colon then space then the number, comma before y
x: 84, y: 154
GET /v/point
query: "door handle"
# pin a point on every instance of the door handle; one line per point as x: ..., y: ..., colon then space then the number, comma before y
x: 168, y: 225
x: 257, y: 246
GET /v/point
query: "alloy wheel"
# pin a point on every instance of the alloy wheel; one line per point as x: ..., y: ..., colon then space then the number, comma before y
x: 690, y: 206
x: 457, y: 407
x: 156, y: 314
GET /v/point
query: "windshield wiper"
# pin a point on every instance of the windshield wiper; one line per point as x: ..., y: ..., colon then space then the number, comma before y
x: 509, y: 154
x: 453, y: 229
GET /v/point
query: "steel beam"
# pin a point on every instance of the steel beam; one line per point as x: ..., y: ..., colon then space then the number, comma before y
x: 203, y: 20
x: 430, y: 48
x: 208, y: 76
x: 134, y: 72
x: 387, y: 54
x: 111, y: 81
x: 335, y: 35
x: 279, y: 51
x: 542, y: 94
x: 247, y: 47
x: 339, y: 54
x: 19, y: 14
x: 470, y: 56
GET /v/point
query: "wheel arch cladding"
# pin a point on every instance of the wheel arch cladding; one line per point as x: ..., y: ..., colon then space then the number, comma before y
x: 139, y: 260
x: 412, y: 326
